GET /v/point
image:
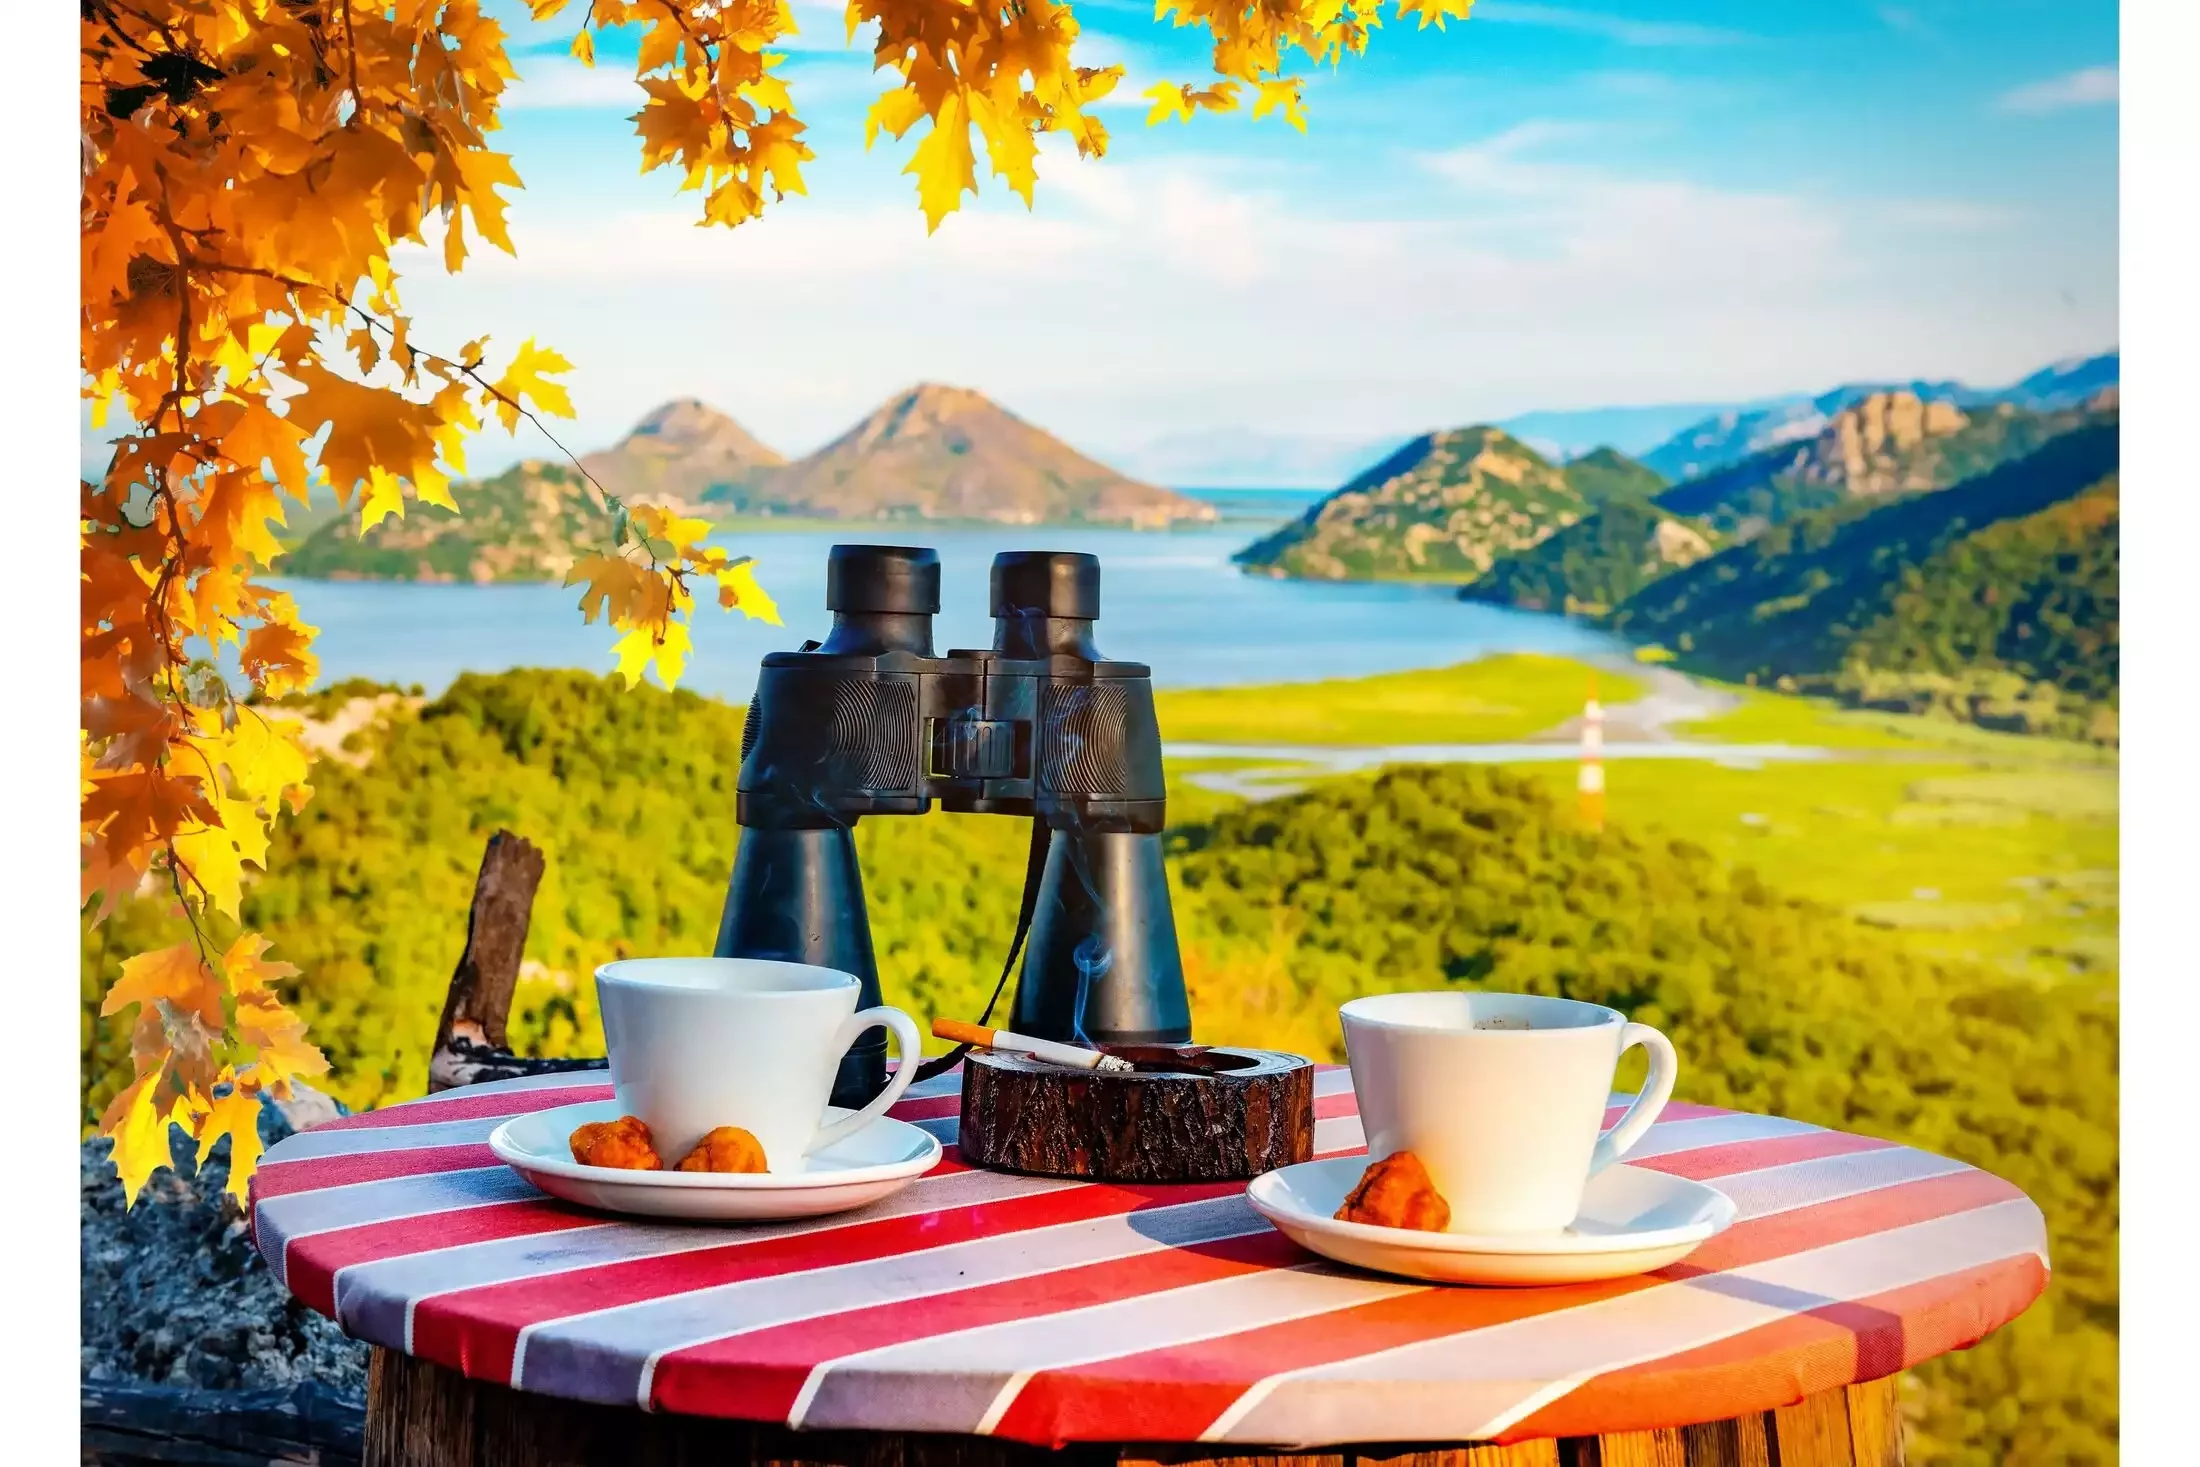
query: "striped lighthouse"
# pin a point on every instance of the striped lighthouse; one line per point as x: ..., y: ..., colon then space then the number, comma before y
x: 1591, y: 783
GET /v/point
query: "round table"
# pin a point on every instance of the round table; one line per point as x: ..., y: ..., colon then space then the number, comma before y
x: 978, y: 1316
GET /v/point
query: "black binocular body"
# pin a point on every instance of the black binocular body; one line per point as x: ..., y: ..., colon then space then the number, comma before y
x: 872, y: 721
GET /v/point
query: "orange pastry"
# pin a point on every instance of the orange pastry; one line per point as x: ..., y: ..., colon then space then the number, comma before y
x: 1396, y: 1193
x: 624, y: 1143
x: 727, y: 1149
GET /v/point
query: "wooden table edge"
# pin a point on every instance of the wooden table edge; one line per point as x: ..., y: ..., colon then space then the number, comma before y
x: 421, y: 1414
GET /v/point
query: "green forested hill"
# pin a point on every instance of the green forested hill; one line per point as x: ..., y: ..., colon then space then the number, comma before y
x: 2036, y: 596
x: 1915, y: 589
x: 528, y: 523
x: 1592, y: 566
x: 1446, y: 506
x: 1605, y: 474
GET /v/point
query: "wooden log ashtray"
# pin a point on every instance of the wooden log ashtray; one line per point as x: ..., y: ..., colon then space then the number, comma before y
x: 1020, y: 1114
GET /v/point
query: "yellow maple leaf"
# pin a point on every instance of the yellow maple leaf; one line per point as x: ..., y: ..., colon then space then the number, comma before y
x: 279, y: 658
x: 133, y: 1121
x: 894, y: 112
x: 1434, y: 10
x: 1009, y: 145
x: 247, y: 966
x: 177, y: 974
x: 737, y: 587
x: 612, y: 587
x: 237, y: 1116
x: 1180, y: 101
x: 214, y: 855
x: 666, y: 650
x: 259, y: 438
x: 385, y: 496
x: 943, y: 163
x: 279, y: 1036
x: 527, y: 381
x: 1283, y: 92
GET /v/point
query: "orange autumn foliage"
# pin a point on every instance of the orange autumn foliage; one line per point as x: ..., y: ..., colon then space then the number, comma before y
x: 248, y: 166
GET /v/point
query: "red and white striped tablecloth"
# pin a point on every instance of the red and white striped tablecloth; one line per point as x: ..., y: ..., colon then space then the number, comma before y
x: 1049, y: 1311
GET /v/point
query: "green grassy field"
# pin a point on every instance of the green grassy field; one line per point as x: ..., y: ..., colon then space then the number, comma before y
x: 1778, y: 718
x: 1998, y: 848
x: 1493, y: 700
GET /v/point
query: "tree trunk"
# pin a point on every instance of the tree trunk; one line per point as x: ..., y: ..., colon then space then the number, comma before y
x: 470, y: 1046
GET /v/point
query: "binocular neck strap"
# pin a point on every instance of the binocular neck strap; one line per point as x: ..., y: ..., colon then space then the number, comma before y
x: 1035, y: 865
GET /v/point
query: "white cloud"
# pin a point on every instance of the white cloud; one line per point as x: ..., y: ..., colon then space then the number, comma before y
x: 2090, y: 86
x: 1620, y: 28
x: 547, y: 82
x: 1147, y: 298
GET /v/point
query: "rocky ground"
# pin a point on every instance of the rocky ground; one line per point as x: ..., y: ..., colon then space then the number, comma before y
x: 175, y: 1294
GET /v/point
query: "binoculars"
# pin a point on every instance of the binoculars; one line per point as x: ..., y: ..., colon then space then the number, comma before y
x: 872, y: 721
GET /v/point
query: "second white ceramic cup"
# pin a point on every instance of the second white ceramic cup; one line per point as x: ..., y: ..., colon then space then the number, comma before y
x: 699, y: 1043
x: 1501, y: 1096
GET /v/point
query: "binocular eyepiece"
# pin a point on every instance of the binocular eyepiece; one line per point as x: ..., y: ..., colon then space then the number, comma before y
x: 871, y: 721
x: 883, y: 597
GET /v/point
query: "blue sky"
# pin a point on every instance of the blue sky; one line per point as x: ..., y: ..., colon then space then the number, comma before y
x: 1550, y: 206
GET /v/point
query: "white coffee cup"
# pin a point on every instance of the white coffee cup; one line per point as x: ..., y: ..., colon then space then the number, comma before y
x: 699, y: 1043
x: 1501, y: 1096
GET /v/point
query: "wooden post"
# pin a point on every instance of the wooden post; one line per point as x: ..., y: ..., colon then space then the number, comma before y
x: 470, y: 1046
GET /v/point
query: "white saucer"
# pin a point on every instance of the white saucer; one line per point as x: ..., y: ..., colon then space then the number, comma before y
x: 1632, y: 1220
x: 882, y: 1158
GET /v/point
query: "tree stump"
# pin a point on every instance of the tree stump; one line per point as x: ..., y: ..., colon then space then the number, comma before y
x: 1021, y: 1115
x: 469, y: 1039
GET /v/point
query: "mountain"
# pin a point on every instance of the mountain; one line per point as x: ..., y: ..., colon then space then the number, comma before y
x: 681, y: 454
x: 2000, y: 587
x: 1595, y: 564
x: 1726, y: 437
x: 1885, y: 443
x: 528, y: 523
x: 1606, y: 474
x: 1445, y: 506
x: 931, y: 453
x: 948, y: 453
x: 2065, y: 384
x: 1564, y: 433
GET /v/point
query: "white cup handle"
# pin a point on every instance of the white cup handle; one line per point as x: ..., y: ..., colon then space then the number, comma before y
x: 910, y: 1044
x: 1656, y: 1091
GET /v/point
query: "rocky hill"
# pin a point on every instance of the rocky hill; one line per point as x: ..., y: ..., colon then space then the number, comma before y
x: 681, y: 454
x: 1592, y: 566
x: 1446, y: 506
x: 948, y: 453
x: 2013, y: 571
x: 933, y: 453
x: 1886, y: 443
x: 1725, y: 438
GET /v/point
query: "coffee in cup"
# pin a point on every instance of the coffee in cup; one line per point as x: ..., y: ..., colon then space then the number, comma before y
x: 1501, y: 1096
x: 699, y: 1043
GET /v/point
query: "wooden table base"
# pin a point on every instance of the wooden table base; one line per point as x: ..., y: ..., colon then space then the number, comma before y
x: 423, y: 1415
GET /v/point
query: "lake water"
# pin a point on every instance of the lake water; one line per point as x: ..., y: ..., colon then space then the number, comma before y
x: 1171, y: 599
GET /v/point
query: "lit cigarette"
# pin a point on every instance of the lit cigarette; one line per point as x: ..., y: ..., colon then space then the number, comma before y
x: 1072, y: 1055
